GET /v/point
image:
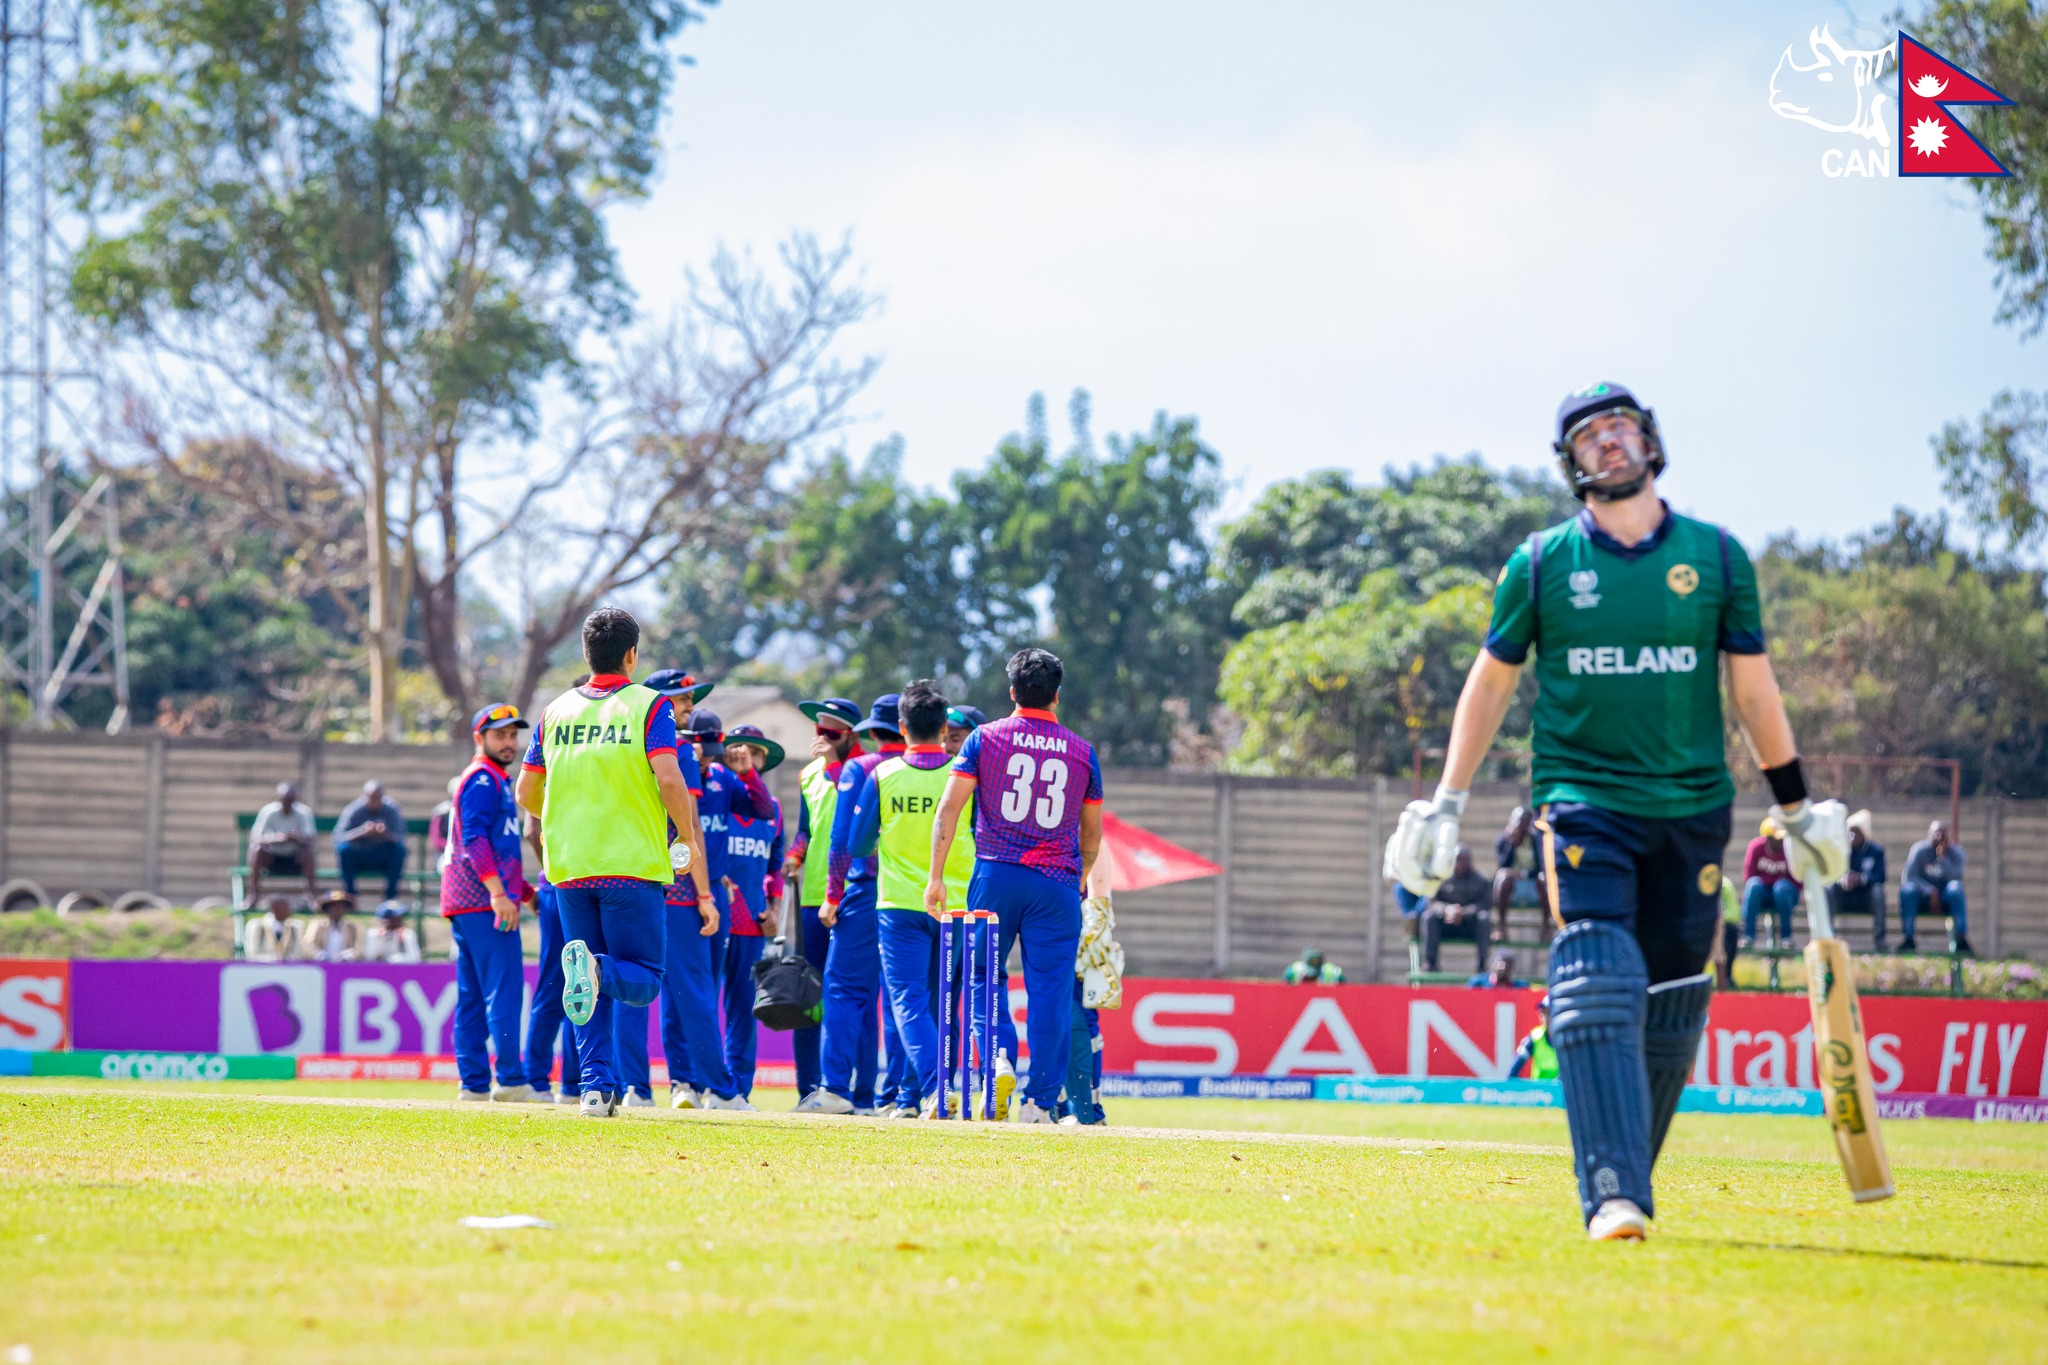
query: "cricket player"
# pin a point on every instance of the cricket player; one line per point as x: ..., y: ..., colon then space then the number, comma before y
x: 893, y: 821
x: 853, y: 967
x: 753, y: 873
x: 481, y: 872
x: 961, y: 721
x: 602, y: 773
x: 818, y: 792
x: 545, y: 1021
x: 1628, y: 607
x: 727, y: 795
x: 1036, y: 789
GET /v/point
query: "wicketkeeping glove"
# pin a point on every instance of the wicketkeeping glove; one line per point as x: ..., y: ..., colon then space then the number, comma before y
x: 1424, y: 848
x: 1816, y: 839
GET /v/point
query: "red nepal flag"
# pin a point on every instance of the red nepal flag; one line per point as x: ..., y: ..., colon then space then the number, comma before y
x: 1931, y: 140
x: 1139, y: 858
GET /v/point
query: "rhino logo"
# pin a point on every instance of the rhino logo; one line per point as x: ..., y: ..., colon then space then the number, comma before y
x: 1837, y: 91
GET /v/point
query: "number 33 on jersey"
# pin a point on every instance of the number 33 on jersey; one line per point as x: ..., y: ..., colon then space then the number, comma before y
x: 1032, y: 776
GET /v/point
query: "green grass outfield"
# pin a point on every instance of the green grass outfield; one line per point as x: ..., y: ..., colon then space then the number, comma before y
x: 254, y: 1222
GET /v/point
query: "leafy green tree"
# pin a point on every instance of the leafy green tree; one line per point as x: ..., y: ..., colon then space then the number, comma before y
x: 380, y: 225
x: 1307, y: 543
x: 1901, y: 645
x: 1110, y: 552
x: 1357, y: 687
x: 869, y: 571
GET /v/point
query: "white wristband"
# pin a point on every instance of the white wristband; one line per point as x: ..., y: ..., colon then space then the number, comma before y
x: 1453, y: 798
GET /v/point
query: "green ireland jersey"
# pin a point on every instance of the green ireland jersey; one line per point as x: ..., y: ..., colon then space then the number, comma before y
x: 602, y: 810
x: 821, y: 798
x: 1627, y: 642
x: 908, y: 806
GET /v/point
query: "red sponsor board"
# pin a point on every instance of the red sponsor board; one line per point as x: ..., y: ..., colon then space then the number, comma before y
x: 35, y: 1004
x: 1919, y: 1045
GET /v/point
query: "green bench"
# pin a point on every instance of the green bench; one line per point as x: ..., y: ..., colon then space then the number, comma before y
x: 421, y: 880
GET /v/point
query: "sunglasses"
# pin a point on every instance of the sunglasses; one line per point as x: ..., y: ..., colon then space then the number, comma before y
x: 834, y: 731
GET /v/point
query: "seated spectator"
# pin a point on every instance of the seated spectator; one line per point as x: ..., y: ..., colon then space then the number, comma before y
x: 271, y: 937
x: 281, y: 841
x: 331, y: 938
x: 1534, y: 1053
x: 1500, y: 975
x: 1767, y: 884
x: 1458, y: 910
x: 1312, y: 970
x: 437, y: 821
x: 391, y: 939
x: 1933, y: 884
x: 1519, y: 878
x: 370, y: 837
x: 1861, y: 890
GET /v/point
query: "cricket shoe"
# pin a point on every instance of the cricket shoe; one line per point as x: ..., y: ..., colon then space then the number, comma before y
x: 737, y: 1102
x: 512, y: 1094
x: 823, y: 1101
x: 1619, y: 1220
x: 681, y: 1096
x: 880, y: 1111
x: 633, y: 1099
x: 1006, y: 1086
x: 579, y: 982
x: 597, y: 1104
x: 474, y: 1096
x: 908, y: 1111
x: 565, y: 1097
x: 1029, y: 1112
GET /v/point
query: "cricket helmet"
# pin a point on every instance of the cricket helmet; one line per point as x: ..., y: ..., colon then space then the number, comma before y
x: 1581, y: 406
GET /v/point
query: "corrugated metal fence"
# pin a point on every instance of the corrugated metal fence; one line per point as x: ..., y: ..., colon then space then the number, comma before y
x: 1301, y: 856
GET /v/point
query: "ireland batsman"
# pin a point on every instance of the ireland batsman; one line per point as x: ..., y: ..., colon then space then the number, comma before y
x: 1628, y: 607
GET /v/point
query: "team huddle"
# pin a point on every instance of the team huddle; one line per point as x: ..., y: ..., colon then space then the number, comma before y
x: 664, y: 871
x: 666, y: 863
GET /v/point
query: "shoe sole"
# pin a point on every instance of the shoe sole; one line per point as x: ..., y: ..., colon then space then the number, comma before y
x: 1627, y: 1232
x: 579, y: 983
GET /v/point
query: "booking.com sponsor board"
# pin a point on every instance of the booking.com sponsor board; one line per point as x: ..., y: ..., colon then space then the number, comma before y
x: 1196, y: 1028
x: 367, y: 1020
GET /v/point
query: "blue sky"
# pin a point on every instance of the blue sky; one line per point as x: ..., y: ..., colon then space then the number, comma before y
x: 1343, y: 236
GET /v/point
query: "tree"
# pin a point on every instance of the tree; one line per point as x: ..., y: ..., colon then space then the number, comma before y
x: 869, y: 572
x: 389, y: 264
x: 700, y: 420
x: 1357, y: 687
x: 1307, y: 543
x: 1116, y: 547
x: 1901, y: 645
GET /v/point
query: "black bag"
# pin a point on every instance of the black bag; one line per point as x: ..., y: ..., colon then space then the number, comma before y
x: 787, y: 991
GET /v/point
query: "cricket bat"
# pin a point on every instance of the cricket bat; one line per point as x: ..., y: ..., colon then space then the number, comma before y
x: 1843, y: 1064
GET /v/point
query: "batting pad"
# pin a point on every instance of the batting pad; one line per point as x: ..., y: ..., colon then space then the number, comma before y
x: 1675, y: 1017
x: 1598, y: 989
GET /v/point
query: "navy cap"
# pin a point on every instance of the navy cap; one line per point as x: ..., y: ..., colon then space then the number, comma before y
x: 673, y: 682
x: 501, y: 715
x: 708, y: 725
x: 752, y: 735
x: 968, y: 716
x: 839, y: 708
x: 1580, y: 404
x: 883, y: 715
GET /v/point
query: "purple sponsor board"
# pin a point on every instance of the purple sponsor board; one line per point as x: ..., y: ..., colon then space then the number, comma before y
x: 1977, y: 1108
x: 294, y: 1008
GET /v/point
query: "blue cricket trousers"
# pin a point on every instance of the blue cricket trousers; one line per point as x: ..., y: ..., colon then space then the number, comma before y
x: 689, y: 1002
x: 546, y: 1021
x: 489, y: 987
x: 1045, y: 916
x: 804, y: 1041
x: 910, y: 980
x: 742, y: 1030
x: 621, y: 922
x: 853, y: 981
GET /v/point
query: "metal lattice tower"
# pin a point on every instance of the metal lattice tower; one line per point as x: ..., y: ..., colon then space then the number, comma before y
x: 60, y: 543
